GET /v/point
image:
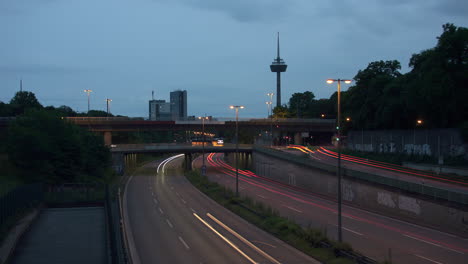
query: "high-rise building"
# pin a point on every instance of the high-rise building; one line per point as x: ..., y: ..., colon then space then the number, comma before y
x: 159, y: 110
x: 179, y: 105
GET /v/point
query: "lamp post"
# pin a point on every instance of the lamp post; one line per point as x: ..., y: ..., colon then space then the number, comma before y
x: 237, y: 107
x: 271, y: 117
x: 203, y: 118
x: 108, y: 105
x: 88, y: 91
x: 338, y: 141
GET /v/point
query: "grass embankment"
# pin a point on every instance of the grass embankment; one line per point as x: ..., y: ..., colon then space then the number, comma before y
x: 310, y: 241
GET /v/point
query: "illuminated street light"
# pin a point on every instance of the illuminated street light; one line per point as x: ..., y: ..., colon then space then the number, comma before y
x: 271, y: 117
x: 237, y: 107
x: 419, y: 122
x: 203, y: 118
x: 338, y: 143
x: 88, y: 91
x: 322, y: 115
x: 348, y: 119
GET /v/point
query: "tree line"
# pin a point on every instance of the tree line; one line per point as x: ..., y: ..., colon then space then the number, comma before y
x: 43, y: 147
x: 435, y: 91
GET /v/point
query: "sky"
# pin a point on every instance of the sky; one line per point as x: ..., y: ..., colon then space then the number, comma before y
x: 217, y: 50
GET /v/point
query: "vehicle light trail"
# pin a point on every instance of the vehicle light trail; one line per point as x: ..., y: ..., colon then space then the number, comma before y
x: 282, y: 189
x: 392, y: 167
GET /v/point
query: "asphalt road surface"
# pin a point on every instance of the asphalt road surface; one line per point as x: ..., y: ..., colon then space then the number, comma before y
x: 170, y: 221
x: 375, y: 236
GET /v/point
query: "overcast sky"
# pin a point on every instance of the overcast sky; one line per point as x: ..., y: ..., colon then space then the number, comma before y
x: 217, y: 50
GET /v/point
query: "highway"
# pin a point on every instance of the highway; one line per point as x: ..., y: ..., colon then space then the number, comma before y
x: 375, y: 236
x: 168, y: 220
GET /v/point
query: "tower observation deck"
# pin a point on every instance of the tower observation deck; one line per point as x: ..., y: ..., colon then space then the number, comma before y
x: 278, y: 65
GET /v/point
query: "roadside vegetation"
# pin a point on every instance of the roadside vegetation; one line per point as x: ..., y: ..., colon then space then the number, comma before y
x: 311, y: 241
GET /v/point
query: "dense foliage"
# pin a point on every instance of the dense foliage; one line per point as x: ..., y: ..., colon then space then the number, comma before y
x: 43, y: 147
x: 435, y: 90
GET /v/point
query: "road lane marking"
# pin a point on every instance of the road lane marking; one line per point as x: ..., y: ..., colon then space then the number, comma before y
x: 352, y: 231
x: 292, y: 208
x: 161, y: 210
x: 428, y: 259
x: 261, y: 196
x: 155, y: 200
x: 241, y: 238
x: 177, y: 194
x: 183, y: 242
x: 183, y: 201
x: 193, y: 210
x: 259, y: 242
x: 169, y: 223
x: 430, y: 243
x: 225, y: 239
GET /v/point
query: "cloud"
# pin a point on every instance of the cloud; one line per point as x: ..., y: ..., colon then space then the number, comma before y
x: 243, y: 10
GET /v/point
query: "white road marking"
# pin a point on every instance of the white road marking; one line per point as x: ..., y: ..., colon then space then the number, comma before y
x: 169, y: 223
x: 430, y: 243
x: 259, y: 242
x: 183, y: 242
x: 183, y: 201
x: 161, y: 210
x: 155, y: 200
x: 428, y: 259
x: 241, y: 238
x: 177, y: 194
x: 292, y: 208
x: 193, y: 210
x: 225, y: 239
x: 352, y: 231
x: 261, y: 196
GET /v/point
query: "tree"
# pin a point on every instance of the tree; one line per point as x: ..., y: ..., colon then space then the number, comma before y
x: 46, y: 148
x: 300, y: 104
x: 281, y: 112
x: 22, y: 101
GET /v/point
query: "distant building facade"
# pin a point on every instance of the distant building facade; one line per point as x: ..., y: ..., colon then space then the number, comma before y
x: 178, y: 105
x: 159, y: 110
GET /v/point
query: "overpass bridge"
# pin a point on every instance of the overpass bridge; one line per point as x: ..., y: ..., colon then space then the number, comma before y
x: 297, y: 126
x: 126, y: 153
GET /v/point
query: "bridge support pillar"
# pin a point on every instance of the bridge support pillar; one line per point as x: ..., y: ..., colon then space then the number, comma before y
x: 118, y: 163
x: 188, y: 161
x: 298, y: 138
x: 107, y: 138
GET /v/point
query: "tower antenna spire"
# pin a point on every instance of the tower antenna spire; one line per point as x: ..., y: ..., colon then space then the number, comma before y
x: 152, y: 95
x: 21, y: 85
x: 278, y: 49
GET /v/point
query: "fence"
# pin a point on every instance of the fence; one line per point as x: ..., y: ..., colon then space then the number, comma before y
x: 435, y: 193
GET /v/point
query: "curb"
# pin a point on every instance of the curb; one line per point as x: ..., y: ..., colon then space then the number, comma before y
x: 15, y: 234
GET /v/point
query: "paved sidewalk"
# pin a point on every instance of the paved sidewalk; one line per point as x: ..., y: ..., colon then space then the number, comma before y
x: 65, y: 235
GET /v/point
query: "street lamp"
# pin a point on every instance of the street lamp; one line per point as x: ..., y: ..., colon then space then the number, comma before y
x: 271, y: 117
x: 237, y: 107
x: 203, y: 118
x: 88, y: 91
x: 108, y: 105
x: 338, y: 141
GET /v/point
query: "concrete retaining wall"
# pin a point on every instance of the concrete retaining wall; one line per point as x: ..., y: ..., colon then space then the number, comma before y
x: 433, y: 142
x: 368, y: 196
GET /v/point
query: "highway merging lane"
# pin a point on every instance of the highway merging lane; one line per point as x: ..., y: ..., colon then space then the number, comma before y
x: 170, y: 221
x: 376, y: 236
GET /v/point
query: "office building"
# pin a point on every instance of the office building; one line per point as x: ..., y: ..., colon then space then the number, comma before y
x: 159, y: 110
x: 178, y: 105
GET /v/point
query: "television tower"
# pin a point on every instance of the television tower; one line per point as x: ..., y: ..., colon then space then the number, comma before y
x: 278, y: 66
